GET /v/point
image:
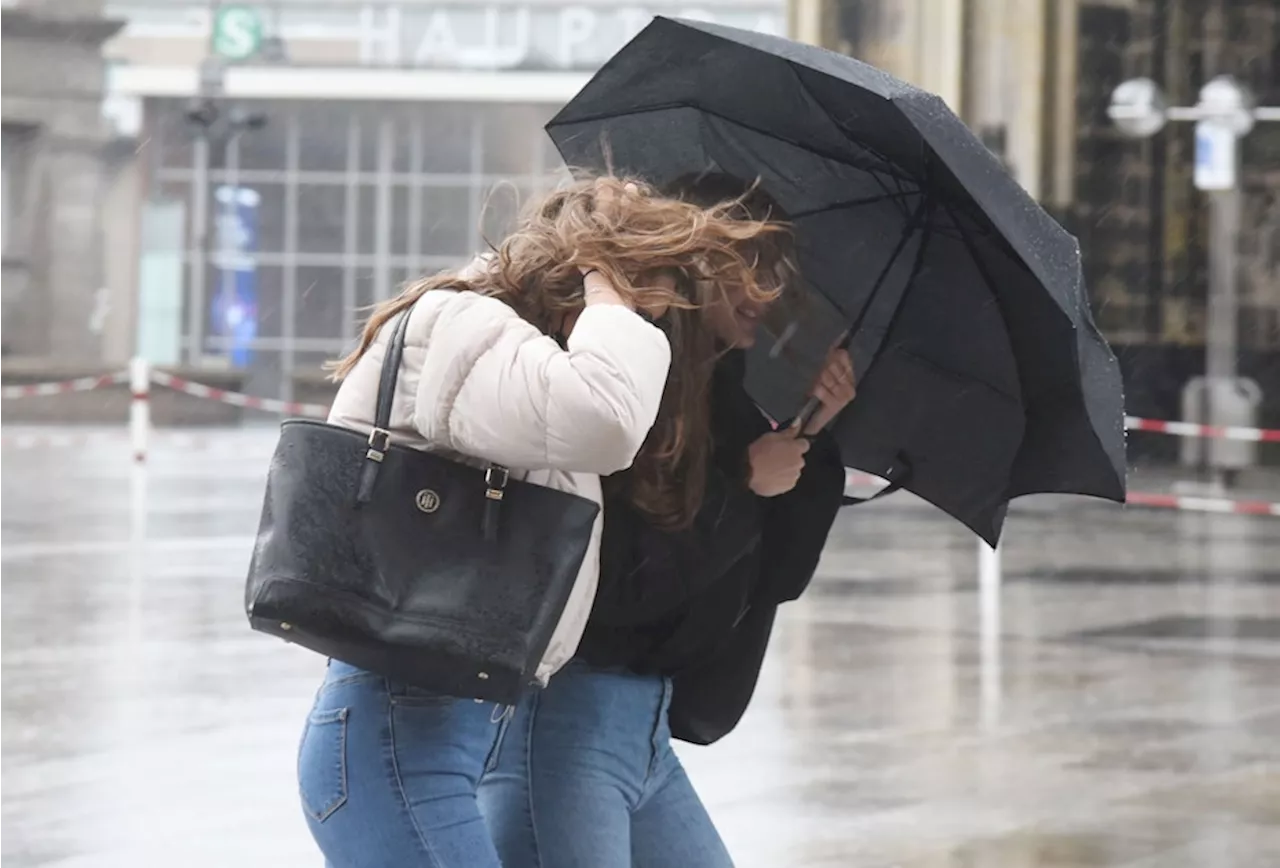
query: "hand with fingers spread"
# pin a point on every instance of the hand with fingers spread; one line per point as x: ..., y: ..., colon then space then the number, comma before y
x: 834, y: 388
x: 776, y: 461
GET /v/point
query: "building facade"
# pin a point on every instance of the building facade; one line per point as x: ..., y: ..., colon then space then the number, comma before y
x: 59, y: 159
x: 299, y: 161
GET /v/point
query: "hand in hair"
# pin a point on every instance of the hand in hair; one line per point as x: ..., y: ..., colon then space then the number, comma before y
x: 610, y: 201
x: 596, y: 287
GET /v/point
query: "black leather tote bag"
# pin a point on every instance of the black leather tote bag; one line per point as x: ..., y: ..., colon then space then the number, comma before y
x: 445, y: 576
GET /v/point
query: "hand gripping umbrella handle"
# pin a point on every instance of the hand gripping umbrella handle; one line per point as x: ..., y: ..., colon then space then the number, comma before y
x: 805, y: 416
x: 813, y: 404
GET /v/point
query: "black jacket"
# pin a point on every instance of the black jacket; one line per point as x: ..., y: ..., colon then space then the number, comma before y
x: 698, y: 604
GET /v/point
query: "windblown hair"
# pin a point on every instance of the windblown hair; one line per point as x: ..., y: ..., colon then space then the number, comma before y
x: 633, y: 237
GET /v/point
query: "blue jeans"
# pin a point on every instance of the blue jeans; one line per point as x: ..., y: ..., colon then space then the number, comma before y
x: 586, y: 778
x: 388, y: 774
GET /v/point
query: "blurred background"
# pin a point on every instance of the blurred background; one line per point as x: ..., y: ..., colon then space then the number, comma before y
x: 219, y: 189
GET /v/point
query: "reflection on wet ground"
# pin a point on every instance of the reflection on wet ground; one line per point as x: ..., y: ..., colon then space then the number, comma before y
x: 1125, y: 713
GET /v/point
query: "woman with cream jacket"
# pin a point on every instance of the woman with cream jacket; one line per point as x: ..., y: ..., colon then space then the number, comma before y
x: 546, y: 359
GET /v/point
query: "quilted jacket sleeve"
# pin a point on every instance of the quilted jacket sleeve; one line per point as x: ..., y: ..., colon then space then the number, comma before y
x: 494, y: 387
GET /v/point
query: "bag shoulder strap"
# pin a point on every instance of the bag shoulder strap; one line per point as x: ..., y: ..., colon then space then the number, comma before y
x: 391, y: 371
x: 380, y: 436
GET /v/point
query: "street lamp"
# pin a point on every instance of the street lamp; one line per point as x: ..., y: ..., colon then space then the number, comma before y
x: 1224, y: 114
x: 208, y: 122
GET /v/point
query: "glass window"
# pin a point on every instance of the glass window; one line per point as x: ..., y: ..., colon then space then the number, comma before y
x: 400, y: 196
x: 407, y: 129
x: 366, y: 219
x: 446, y: 137
x: 511, y: 135
x: 323, y: 129
x: 364, y: 287
x: 172, y: 191
x: 446, y: 221
x: 501, y: 206
x: 370, y: 120
x: 400, y: 277
x: 271, y: 198
x: 320, y: 313
x: 266, y: 148
x: 266, y: 291
x: 321, y: 218
x: 270, y: 285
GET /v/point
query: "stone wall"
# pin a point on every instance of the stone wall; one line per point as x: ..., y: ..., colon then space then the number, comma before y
x: 53, y: 79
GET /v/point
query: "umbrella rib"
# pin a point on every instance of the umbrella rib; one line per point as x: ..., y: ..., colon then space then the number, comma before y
x: 849, y: 203
x: 979, y: 263
x: 827, y: 113
x: 805, y: 87
x: 907, y: 231
x: 991, y: 234
x: 925, y: 235
x: 929, y: 205
x: 818, y: 152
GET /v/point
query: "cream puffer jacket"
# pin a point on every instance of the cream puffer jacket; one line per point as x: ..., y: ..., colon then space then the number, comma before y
x: 480, y: 384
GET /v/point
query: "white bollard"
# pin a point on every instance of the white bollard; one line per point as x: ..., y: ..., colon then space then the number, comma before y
x: 139, y: 407
x: 989, y: 629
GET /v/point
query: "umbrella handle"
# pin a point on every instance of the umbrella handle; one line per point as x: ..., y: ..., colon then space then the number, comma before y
x: 805, y: 416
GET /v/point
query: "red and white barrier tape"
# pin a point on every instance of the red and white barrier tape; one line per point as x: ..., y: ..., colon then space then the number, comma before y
x: 854, y: 478
x: 237, y: 399
x: 82, y: 384
x: 1203, y: 504
x: 1191, y: 429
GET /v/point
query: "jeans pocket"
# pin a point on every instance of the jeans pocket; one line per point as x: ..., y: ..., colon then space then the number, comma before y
x: 403, y: 694
x: 322, y: 763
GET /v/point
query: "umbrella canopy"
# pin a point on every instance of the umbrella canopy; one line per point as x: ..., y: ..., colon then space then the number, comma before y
x: 982, y: 374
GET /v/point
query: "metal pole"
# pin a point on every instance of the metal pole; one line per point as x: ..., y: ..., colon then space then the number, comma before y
x: 350, y: 228
x: 139, y: 407
x: 199, y: 244
x: 229, y: 213
x: 1222, y: 344
x: 990, y: 579
x: 289, y: 288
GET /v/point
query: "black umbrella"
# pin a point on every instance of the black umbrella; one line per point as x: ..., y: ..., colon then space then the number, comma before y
x: 982, y: 374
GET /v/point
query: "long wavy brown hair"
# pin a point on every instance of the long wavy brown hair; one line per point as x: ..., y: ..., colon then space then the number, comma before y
x: 634, y: 237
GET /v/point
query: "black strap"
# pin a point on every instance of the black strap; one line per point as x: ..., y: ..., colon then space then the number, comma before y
x: 380, y: 436
x: 391, y: 372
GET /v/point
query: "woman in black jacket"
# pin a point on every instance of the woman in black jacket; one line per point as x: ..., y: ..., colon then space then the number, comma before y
x: 586, y: 775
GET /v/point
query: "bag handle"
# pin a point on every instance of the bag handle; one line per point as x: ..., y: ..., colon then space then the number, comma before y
x: 496, y: 476
x: 380, y: 436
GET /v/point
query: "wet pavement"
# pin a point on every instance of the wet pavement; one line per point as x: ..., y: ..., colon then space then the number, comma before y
x: 1118, y: 705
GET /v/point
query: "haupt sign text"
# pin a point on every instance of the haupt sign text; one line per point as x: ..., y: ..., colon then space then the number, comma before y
x: 530, y: 36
